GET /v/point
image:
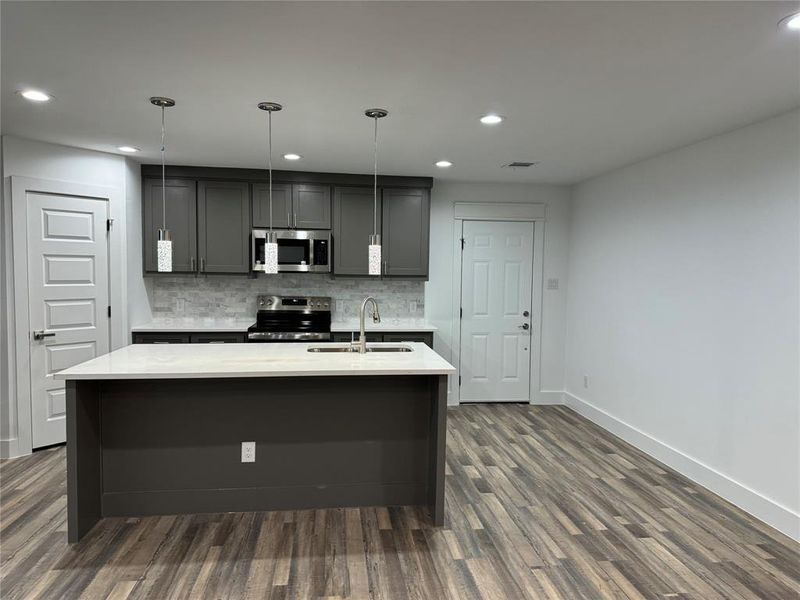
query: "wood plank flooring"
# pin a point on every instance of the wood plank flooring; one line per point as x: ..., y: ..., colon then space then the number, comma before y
x: 540, y: 503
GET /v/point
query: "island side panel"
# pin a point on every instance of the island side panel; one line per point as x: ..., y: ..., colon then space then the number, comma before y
x: 84, y: 458
x: 437, y: 447
x: 174, y: 446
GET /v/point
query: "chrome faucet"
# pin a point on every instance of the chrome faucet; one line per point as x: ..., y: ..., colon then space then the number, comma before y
x: 361, y: 345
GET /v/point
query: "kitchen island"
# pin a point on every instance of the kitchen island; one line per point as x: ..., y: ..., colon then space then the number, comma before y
x: 158, y: 429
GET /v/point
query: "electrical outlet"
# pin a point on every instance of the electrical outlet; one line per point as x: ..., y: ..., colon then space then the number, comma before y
x: 248, y: 452
x: 586, y: 381
x: 412, y: 307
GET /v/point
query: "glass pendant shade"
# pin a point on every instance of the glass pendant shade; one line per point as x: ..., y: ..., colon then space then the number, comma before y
x: 271, y: 253
x: 164, y: 251
x: 375, y: 255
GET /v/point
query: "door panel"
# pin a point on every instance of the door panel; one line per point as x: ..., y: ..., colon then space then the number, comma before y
x: 496, y: 292
x: 281, y: 205
x: 181, y: 221
x: 223, y: 213
x: 352, y: 226
x: 68, y: 297
x: 406, y: 218
x: 311, y: 206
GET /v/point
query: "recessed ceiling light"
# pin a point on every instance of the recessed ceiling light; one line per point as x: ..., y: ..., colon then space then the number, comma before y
x: 491, y: 119
x: 791, y: 22
x: 35, y: 95
x: 128, y: 149
x: 292, y: 156
x: 443, y: 164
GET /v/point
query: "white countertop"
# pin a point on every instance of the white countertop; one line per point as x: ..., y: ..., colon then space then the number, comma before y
x: 241, y: 325
x: 387, y: 324
x: 204, y: 325
x: 196, y: 361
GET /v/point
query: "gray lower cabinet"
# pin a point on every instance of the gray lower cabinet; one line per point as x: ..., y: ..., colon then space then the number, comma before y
x: 223, y: 225
x: 294, y: 206
x: 181, y: 220
x: 406, y: 232
x: 161, y: 338
x: 352, y: 226
x: 189, y: 338
x: 281, y: 205
x: 426, y: 337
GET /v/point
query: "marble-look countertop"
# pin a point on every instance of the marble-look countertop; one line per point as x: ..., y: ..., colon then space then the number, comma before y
x: 241, y: 325
x: 386, y: 324
x: 196, y: 361
x: 203, y: 325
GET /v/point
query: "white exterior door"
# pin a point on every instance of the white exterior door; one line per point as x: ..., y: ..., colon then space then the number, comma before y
x: 496, y: 304
x: 68, y: 298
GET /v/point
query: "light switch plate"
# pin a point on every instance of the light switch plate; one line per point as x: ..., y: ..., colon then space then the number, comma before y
x: 552, y: 283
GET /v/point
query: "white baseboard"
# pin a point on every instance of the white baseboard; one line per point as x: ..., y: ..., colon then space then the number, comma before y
x: 548, y: 397
x: 10, y: 448
x: 770, y: 512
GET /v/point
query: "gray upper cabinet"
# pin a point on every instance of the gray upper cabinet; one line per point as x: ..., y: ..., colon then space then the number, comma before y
x: 223, y: 226
x: 281, y: 205
x: 406, y: 232
x: 181, y: 196
x: 352, y: 226
x: 311, y: 206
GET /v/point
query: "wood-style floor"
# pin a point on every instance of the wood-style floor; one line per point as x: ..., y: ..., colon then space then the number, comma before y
x: 540, y: 504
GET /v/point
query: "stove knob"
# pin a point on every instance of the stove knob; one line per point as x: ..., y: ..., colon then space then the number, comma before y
x: 269, y: 302
x: 261, y: 302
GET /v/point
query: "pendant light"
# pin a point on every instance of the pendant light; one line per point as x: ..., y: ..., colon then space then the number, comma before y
x: 271, y: 241
x: 375, y: 238
x: 164, y: 244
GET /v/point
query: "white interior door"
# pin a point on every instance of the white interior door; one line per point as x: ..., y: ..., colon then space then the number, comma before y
x: 67, y: 300
x: 496, y: 301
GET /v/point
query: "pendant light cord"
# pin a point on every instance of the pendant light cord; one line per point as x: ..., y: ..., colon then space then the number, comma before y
x: 375, y: 183
x: 163, y: 172
x: 269, y: 163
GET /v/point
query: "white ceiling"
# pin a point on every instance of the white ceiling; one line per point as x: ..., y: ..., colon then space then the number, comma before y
x: 586, y: 87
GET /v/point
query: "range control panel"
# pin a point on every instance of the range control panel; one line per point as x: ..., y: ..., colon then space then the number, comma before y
x: 300, y: 303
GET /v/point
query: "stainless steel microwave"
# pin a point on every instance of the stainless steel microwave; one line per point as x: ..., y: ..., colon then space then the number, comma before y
x: 298, y: 251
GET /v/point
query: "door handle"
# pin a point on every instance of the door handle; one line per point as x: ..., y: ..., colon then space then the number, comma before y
x: 203, y: 265
x: 40, y: 334
x: 524, y: 326
x: 191, y: 262
x: 526, y: 314
x: 295, y: 220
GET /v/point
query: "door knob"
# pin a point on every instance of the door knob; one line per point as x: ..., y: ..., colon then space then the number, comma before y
x: 40, y: 334
x: 525, y: 326
x: 526, y: 314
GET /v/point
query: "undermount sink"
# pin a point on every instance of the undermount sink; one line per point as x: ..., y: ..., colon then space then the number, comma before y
x: 354, y: 349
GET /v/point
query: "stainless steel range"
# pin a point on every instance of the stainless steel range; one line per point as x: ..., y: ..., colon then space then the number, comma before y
x: 291, y: 319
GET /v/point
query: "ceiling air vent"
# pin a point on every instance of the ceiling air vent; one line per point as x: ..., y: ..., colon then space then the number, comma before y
x: 519, y: 164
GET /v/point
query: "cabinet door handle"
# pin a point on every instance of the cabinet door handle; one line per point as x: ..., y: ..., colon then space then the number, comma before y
x: 191, y: 263
x: 295, y: 220
x: 288, y: 219
x: 386, y: 267
x: 203, y: 265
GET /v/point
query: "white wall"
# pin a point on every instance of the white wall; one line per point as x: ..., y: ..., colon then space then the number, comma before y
x: 683, y: 312
x: 439, y: 289
x: 139, y: 310
x: 28, y: 158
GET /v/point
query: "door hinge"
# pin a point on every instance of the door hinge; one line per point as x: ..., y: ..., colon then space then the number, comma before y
x: 463, y: 243
x: 109, y: 224
x: 460, y: 313
x: 459, y: 381
x: 109, y: 312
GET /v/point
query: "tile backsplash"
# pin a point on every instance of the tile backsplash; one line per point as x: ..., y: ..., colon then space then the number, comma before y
x: 174, y: 297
